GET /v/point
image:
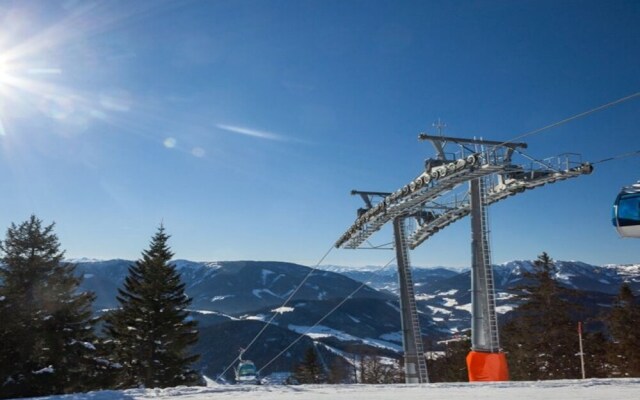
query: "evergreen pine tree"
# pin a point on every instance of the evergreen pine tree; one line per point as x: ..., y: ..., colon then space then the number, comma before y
x: 48, y: 343
x: 150, y: 331
x: 622, y: 322
x: 309, y: 370
x: 595, y: 355
x: 541, y: 341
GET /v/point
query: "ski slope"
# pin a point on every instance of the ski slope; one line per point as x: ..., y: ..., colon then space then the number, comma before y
x: 590, y: 389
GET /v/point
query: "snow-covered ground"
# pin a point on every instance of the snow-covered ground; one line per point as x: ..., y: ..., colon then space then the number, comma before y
x: 590, y: 389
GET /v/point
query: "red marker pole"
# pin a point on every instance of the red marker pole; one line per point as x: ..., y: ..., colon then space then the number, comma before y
x: 581, y: 350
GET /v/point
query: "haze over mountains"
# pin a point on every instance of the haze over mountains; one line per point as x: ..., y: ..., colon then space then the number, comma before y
x: 232, y: 300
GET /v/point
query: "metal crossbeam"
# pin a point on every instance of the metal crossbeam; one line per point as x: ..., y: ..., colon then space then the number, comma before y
x: 437, y: 183
x: 494, y: 194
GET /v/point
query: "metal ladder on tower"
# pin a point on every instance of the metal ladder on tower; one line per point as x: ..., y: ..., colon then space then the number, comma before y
x: 487, y: 273
x: 414, y: 351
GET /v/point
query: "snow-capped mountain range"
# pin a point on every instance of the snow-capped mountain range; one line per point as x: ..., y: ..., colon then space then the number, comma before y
x: 573, y: 274
x: 232, y: 300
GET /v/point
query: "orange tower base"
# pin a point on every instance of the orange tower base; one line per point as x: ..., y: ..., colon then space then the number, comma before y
x: 487, y: 367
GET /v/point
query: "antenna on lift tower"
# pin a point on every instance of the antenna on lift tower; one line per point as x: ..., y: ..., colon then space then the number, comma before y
x: 439, y: 125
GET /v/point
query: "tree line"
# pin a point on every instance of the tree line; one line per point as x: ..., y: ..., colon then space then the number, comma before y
x: 48, y: 331
x: 541, y: 338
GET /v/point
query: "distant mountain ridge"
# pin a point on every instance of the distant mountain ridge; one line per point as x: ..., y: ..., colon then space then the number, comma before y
x: 230, y: 297
x: 231, y: 287
x: 575, y: 274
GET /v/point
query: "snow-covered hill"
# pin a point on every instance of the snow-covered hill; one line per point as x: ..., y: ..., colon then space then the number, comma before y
x: 233, y: 299
x: 573, y: 274
x: 230, y: 287
x: 589, y: 389
x: 387, y: 278
x: 444, y: 299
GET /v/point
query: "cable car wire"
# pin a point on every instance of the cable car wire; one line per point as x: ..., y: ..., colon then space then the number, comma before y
x: 618, y: 157
x: 571, y: 118
x: 275, y: 314
x: 325, y: 316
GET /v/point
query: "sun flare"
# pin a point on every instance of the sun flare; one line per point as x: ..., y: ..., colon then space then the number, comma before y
x: 4, y: 72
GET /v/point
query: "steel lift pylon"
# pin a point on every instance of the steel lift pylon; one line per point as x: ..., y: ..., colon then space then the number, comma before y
x: 434, y: 200
x: 415, y: 364
x: 486, y: 361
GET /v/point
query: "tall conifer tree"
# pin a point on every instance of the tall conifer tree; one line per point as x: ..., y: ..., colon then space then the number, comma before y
x: 151, y: 332
x: 622, y: 322
x: 541, y: 341
x: 310, y: 369
x: 47, y: 329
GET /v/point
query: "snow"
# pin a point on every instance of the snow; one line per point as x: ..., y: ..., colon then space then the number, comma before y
x: 392, y: 337
x: 82, y: 260
x: 259, y: 292
x: 564, y: 277
x: 218, y: 298
x: 354, y: 319
x: 465, y: 307
x: 448, y: 293
x: 86, y: 345
x: 424, y: 296
x: 589, y: 389
x: 259, y: 317
x: 282, y: 310
x: 394, y: 306
x: 265, y: 275
x: 203, y: 312
x: 383, y: 344
x: 46, y: 370
x: 194, y: 265
x: 449, y: 302
x: 436, y: 310
x: 321, y: 331
x: 503, y: 309
x: 624, y: 269
x: 504, y: 296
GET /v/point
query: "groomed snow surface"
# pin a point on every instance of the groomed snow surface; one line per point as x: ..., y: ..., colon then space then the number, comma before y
x: 590, y: 389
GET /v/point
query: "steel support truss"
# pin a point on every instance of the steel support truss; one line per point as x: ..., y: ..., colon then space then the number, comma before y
x: 437, y: 198
x: 415, y: 364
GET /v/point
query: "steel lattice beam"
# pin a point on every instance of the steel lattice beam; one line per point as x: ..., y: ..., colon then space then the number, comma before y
x: 437, y: 182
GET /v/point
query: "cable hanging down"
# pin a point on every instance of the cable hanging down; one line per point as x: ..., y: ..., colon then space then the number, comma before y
x: 349, y: 296
x: 275, y: 314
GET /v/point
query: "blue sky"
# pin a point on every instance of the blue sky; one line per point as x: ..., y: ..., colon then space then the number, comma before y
x: 243, y: 125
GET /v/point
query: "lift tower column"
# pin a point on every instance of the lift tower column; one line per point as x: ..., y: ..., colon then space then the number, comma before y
x: 415, y: 365
x: 485, y: 362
